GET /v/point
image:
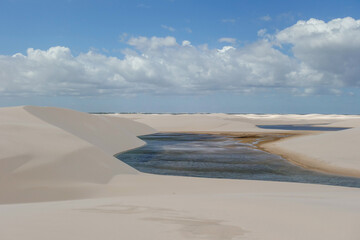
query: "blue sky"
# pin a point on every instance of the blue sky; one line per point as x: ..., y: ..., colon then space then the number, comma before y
x: 181, y: 56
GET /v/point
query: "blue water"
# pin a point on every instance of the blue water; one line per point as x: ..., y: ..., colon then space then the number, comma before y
x: 301, y: 127
x: 216, y: 156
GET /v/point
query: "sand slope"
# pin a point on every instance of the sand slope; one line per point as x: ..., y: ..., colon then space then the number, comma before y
x: 336, y: 152
x: 192, y: 122
x: 112, y: 135
x: 59, y: 153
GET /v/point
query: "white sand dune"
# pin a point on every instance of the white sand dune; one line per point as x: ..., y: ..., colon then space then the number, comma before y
x: 335, y: 152
x: 192, y: 122
x: 112, y: 135
x: 52, y: 154
x: 350, y: 123
x: 49, y: 154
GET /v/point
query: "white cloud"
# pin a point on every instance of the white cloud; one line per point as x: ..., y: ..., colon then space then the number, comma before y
x: 227, y: 40
x: 324, y: 58
x: 160, y: 67
x: 266, y: 18
x: 262, y: 32
x: 225, y: 49
x: 329, y: 49
x: 171, y: 29
x: 186, y: 43
x: 144, y: 43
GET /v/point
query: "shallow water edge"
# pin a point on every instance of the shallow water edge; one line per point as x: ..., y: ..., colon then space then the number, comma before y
x: 235, y: 156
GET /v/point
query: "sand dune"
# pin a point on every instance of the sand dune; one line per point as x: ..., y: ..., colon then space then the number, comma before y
x: 192, y: 122
x: 112, y: 135
x: 52, y: 154
x: 335, y: 152
x: 252, y: 119
x: 49, y: 154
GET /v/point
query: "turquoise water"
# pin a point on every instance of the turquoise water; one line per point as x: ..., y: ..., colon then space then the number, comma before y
x: 216, y: 156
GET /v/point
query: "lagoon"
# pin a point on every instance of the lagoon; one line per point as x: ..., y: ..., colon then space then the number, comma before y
x: 220, y: 156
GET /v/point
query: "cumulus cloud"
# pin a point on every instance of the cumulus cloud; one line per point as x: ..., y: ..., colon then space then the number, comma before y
x: 324, y: 58
x: 162, y: 66
x: 330, y: 50
x: 262, y: 32
x: 186, y: 43
x: 227, y: 40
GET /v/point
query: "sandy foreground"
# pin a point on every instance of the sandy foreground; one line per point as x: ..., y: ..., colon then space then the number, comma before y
x: 59, y: 180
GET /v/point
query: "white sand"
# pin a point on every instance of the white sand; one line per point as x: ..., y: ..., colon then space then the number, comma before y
x: 335, y: 152
x: 66, y: 158
x: 48, y: 155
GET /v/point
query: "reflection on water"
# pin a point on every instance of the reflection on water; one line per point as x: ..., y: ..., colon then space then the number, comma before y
x: 215, y: 156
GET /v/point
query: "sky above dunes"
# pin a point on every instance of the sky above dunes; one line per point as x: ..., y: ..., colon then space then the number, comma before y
x: 182, y: 56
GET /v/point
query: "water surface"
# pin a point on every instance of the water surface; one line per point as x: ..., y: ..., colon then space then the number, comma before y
x: 306, y: 127
x: 216, y: 156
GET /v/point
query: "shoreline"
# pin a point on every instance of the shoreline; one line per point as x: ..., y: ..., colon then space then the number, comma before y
x: 268, y: 145
x: 308, y: 162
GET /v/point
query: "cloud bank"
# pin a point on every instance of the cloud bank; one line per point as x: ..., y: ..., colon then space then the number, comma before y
x: 307, y: 58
